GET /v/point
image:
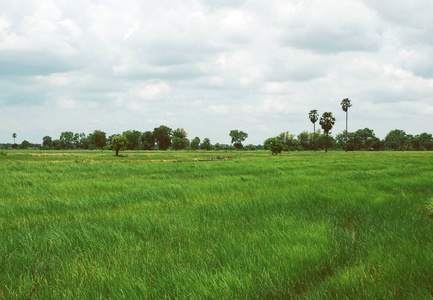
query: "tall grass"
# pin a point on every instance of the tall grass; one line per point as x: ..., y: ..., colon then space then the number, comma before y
x: 301, y: 225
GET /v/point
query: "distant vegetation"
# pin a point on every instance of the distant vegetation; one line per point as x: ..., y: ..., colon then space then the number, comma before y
x: 361, y: 139
x: 165, y: 138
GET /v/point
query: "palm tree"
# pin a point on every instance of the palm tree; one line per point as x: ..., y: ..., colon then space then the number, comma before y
x: 345, y: 104
x: 327, y: 121
x: 14, y: 135
x: 314, y: 116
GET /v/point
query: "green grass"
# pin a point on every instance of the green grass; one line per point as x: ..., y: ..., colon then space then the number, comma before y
x: 87, y: 224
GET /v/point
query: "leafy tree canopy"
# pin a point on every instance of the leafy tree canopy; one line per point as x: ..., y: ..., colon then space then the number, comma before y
x: 118, y: 142
x: 274, y: 145
x: 237, y: 138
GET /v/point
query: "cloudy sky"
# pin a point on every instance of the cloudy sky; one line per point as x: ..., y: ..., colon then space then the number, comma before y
x: 210, y: 66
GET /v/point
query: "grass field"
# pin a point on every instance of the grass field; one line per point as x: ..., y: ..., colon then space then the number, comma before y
x: 89, y: 225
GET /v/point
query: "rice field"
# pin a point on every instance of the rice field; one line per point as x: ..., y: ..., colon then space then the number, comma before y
x: 192, y: 225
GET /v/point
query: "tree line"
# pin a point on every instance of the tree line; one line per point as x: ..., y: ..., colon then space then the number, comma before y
x: 362, y: 139
x: 164, y: 138
x: 161, y: 138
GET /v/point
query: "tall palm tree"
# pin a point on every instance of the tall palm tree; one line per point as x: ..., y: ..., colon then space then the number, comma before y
x: 14, y: 135
x: 314, y: 116
x: 327, y: 121
x: 345, y: 104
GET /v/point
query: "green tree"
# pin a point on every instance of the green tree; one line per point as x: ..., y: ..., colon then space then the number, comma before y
x: 99, y: 139
x: 162, y: 137
x: 195, y: 143
x: 206, y: 145
x: 423, y: 142
x: 290, y: 143
x: 25, y: 145
x: 134, y: 139
x: 66, y: 138
x: 237, y: 138
x: 148, y: 140
x: 84, y: 141
x: 327, y: 121
x: 179, y: 140
x: 14, y: 135
x: 118, y: 142
x: 274, y: 145
x: 345, y: 104
x: 314, y: 116
x: 57, y: 144
x: 304, y: 140
x: 397, y: 140
x: 47, y: 142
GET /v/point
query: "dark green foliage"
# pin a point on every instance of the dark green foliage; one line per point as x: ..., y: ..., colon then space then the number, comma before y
x: 206, y: 145
x: 327, y: 121
x: 47, y: 142
x: 25, y: 145
x: 289, y: 142
x: 148, y: 140
x: 134, y: 139
x: 118, y: 142
x: 66, y: 140
x: 163, y: 137
x: 179, y: 140
x: 423, y: 142
x: 362, y: 139
x: 195, y: 143
x: 99, y: 139
x: 274, y: 145
x: 237, y: 138
x: 397, y: 140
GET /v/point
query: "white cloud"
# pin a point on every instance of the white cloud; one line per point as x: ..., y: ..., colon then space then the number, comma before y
x: 153, y: 91
x: 219, y: 109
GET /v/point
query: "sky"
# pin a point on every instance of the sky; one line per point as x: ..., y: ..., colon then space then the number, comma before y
x: 211, y: 66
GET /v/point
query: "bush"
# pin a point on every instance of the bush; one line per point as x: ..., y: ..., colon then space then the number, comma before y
x: 274, y: 144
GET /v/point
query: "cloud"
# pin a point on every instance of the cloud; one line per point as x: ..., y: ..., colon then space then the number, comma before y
x: 329, y: 27
x: 219, y: 109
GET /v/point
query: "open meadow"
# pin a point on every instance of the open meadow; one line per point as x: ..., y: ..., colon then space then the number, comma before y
x: 156, y: 224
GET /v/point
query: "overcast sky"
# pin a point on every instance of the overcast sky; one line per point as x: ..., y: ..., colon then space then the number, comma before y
x: 210, y: 66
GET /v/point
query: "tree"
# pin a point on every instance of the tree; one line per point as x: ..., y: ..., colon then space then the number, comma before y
x: 396, y: 140
x: 134, y: 138
x: 290, y: 143
x: 25, y: 144
x: 423, y: 142
x: 118, y: 142
x: 345, y: 104
x: 314, y: 116
x: 66, y: 138
x: 57, y: 144
x: 14, y: 135
x: 206, y: 145
x: 195, y: 143
x: 148, y: 140
x: 99, y: 139
x: 162, y: 137
x: 179, y: 140
x: 274, y: 144
x: 327, y: 121
x: 237, y: 138
x: 47, y: 142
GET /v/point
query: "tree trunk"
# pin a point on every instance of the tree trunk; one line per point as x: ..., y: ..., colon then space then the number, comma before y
x: 326, y: 145
x: 117, y: 152
x: 347, y: 111
x: 314, y: 136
